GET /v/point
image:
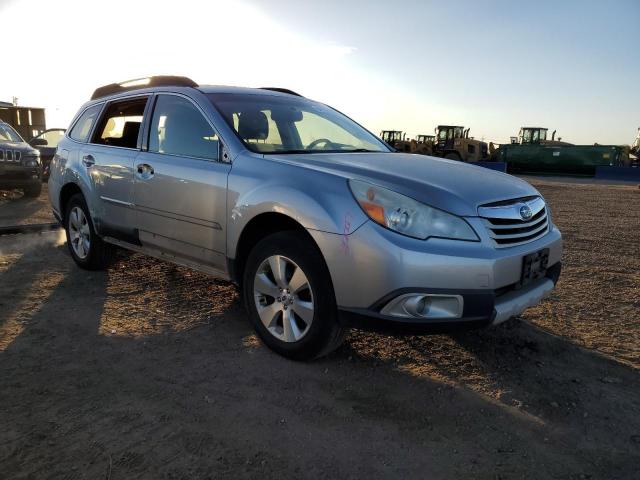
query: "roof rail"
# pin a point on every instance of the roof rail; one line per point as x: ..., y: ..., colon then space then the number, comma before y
x: 157, y: 81
x: 281, y: 90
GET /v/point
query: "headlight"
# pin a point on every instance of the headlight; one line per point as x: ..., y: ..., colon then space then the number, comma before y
x: 31, y: 160
x: 407, y: 216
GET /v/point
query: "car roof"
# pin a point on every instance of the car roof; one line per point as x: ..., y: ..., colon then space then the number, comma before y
x: 280, y: 92
x: 206, y: 89
x: 171, y: 82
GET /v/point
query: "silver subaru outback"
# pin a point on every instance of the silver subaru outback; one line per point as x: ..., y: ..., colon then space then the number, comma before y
x: 320, y: 223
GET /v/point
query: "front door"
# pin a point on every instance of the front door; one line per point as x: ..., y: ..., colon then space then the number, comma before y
x: 180, y: 185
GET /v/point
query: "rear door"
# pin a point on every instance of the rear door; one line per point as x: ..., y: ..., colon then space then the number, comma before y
x: 110, y: 158
x: 181, y: 184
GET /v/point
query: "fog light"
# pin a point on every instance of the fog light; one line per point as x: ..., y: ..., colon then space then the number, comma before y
x: 425, y: 305
x: 416, y: 305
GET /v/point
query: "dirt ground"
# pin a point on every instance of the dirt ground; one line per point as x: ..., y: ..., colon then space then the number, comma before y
x: 15, y: 209
x: 152, y: 371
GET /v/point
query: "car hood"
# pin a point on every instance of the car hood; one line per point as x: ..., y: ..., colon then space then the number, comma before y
x: 19, y: 146
x: 449, y: 185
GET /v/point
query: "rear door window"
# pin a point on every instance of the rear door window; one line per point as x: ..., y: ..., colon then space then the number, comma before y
x: 82, y: 128
x: 121, y: 123
x: 179, y: 128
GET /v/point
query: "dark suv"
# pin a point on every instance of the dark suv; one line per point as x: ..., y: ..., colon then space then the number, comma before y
x: 19, y: 163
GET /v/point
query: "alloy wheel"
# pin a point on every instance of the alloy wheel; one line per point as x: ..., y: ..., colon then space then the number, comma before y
x: 283, y: 298
x: 79, y: 232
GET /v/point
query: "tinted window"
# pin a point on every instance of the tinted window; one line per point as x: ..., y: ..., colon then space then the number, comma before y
x: 178, y: 128
x: 8, y: 134
x: 81, y: 129
x: 120, y: 124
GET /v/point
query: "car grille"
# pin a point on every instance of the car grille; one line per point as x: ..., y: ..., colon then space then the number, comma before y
x: 10, y: 155
x: 515, y: 222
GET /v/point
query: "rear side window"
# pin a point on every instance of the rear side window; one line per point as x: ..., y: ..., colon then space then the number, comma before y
x: 120, y: 124
x: 82, y: 128
x: 179, y: 128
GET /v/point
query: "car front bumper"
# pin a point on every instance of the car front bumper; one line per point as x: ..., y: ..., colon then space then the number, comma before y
x: 18, y: 176
x: 373, y: 266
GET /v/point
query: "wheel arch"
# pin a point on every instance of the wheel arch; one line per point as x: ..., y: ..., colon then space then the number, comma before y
x: 66, y: 192
x: 259, y: 227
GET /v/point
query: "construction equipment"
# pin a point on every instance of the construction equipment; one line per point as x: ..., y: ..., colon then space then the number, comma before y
x: 423, y: 144
x: 426, y: 139
x: 537, y: 135
x: 396, y: 139
x: 533, y: 152
x: 453, y: 142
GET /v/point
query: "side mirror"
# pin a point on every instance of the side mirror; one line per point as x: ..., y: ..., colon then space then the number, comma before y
x: 38, y: 142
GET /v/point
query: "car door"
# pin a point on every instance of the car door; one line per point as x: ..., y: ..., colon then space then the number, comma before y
x: 109, y: 159
x: 180, y: 184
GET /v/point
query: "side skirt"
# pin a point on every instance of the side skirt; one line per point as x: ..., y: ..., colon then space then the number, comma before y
x: 167, y: 257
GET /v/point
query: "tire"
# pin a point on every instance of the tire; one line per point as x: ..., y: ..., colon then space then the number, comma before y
x: 296, y: 320
x: 33, y: 191
x: 452, y: 156
x: 86, y: 247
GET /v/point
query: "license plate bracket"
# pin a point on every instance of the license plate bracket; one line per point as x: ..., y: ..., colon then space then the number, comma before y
x: 534, y: 266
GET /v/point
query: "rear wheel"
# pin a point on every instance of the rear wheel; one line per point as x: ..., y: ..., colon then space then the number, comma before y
x: 87, y: 249
x: 453, y: 156
x: 289, y: 297
x: 33, y: 191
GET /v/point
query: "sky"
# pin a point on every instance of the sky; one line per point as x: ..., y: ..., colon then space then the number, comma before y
x: 491, y: 65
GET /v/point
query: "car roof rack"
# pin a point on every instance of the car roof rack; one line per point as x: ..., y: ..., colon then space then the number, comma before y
x: 138, y: 83
x: 281, y: 90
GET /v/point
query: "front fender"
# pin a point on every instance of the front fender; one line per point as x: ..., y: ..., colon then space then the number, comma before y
x: 317, y: 201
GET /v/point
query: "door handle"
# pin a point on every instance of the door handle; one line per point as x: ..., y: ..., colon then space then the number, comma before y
x: 144, y: 170
x: 88, y: 160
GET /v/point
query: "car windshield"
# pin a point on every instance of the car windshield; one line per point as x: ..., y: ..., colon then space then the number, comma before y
x: 279, y: 124
x: 8, y: 134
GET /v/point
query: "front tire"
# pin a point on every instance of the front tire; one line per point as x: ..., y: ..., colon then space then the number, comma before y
x: 289, y: 297
x: 86, y: 247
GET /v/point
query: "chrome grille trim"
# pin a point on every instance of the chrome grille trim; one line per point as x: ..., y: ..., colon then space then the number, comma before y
x: 506, y: 226
x: 10, y: 155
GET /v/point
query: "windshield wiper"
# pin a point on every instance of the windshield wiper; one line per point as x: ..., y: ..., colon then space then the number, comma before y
x: 302, y: 150
x: 361, y: 150
x: 294, y: 151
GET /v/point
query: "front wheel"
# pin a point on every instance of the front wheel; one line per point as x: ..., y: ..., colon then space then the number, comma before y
x: 289, y: 297
x: 86, y: 248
